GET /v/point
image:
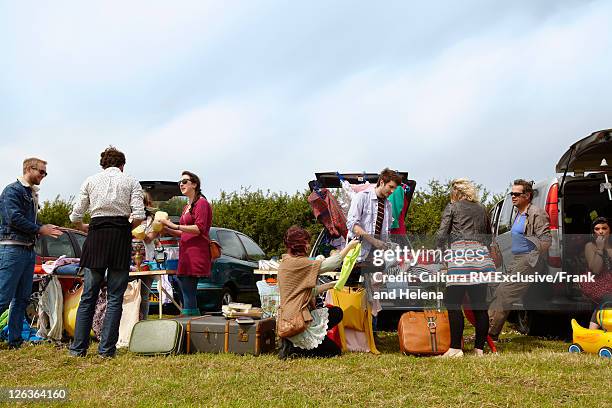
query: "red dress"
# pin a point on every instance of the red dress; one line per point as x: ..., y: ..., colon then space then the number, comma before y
x: 194, y: 251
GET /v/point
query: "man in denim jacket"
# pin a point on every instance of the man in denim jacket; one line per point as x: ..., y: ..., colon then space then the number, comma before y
x: 18, y: 232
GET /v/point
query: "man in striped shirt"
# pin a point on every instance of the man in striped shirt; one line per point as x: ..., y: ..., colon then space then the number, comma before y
x: 370, y: 218
x: 370, y: 215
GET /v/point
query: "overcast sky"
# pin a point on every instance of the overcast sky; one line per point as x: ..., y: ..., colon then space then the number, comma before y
x: 265, y: 93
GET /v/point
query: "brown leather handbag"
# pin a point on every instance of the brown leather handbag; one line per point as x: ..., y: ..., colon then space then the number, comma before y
x: 289, y: 326
x: 215, y: 249
x: 424, y: 333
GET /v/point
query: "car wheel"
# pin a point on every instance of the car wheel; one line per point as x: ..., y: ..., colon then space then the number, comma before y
x: 575, y: 348
x: 228, y: 296
x: 605, y: 352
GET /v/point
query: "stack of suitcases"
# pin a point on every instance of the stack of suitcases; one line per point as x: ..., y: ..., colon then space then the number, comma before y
x: 204, y: 334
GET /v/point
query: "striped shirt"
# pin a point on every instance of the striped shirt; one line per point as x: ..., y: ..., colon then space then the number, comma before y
x: 363, y: 212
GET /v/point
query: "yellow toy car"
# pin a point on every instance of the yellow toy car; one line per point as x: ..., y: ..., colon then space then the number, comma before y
x: 591, y: 341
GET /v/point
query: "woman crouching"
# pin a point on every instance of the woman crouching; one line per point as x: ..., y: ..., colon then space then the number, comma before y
x: 297, y: 283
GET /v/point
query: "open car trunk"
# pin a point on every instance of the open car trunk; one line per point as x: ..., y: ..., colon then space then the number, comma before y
x: 333, y: 181
x: 587, y: 154
x: 583, y: 200
x: 166, y: 196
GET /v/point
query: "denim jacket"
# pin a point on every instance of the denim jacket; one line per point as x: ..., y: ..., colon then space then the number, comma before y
x: 18, y: 214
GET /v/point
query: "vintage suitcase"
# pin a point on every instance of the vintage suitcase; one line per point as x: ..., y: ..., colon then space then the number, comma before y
x: 216, y: 334
x: 424, y: 333
x: 156, y: 337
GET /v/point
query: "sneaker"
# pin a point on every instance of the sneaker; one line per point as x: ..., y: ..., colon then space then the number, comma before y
x: 452, y: 353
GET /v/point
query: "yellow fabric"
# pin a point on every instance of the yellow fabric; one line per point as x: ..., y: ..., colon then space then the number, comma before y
x: 139, y: 232
x: 157, y: 225
x: 357, y: 315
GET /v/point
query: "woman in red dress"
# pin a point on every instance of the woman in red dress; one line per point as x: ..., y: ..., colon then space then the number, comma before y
x: 194, y: 250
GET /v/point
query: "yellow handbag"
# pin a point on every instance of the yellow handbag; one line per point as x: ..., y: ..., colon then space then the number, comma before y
x: 352, y: 305
x: 72, y: 298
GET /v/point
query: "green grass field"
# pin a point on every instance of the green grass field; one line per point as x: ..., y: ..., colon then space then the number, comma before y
x: 527, y: 371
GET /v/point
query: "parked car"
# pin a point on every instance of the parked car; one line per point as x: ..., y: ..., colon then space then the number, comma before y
x: 70, y: 244
x: 571, y: 199
x: 232, y: 278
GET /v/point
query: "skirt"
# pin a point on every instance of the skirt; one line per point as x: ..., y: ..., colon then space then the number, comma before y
x: 108, y: 244
x: 471, y: 264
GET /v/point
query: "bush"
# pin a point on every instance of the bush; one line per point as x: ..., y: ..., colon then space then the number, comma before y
x: 57, y: 212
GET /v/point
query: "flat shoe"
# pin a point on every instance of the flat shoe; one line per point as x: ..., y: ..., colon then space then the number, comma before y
x: 452, y: 354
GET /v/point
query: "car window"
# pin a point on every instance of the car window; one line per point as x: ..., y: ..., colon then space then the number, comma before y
x: 254, y: 252
x: 57, y: 247
x: 38, y: 247
x: 494, y: 214
x: 231, y: 244
x: 80, y: 240
x: 505, y: 216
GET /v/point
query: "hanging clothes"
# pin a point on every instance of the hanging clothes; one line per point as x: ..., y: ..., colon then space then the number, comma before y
x: 328, y: 212
x: 50, y: 308
x: 399, y: 209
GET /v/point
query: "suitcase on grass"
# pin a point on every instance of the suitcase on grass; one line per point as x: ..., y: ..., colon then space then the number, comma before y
x: 156, y: 337
x: 424, y: 333
x: 216, y: 334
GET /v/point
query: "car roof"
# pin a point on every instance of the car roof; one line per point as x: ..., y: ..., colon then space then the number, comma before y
x: 67, y: 229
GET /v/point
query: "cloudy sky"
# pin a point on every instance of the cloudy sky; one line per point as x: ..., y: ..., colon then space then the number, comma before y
x: 264, y: 93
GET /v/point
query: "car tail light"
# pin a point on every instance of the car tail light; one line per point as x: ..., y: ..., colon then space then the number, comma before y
x: 552, y: 209
x: 38, y: 265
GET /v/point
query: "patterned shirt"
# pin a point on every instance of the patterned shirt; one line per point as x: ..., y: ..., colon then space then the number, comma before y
x: 110, y: 193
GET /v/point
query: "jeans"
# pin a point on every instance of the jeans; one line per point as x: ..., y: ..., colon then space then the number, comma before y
x: 116, y: 284
x: 16, y: 274
x: 189, y: 288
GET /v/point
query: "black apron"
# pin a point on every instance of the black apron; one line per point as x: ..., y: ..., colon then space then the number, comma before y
x: 108, y: 244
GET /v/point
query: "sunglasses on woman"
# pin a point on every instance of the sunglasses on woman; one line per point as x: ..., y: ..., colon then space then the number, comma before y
x: 184, y: 181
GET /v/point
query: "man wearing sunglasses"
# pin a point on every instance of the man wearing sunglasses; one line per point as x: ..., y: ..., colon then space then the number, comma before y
x: 18, y: 232
x: 530, y: 238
